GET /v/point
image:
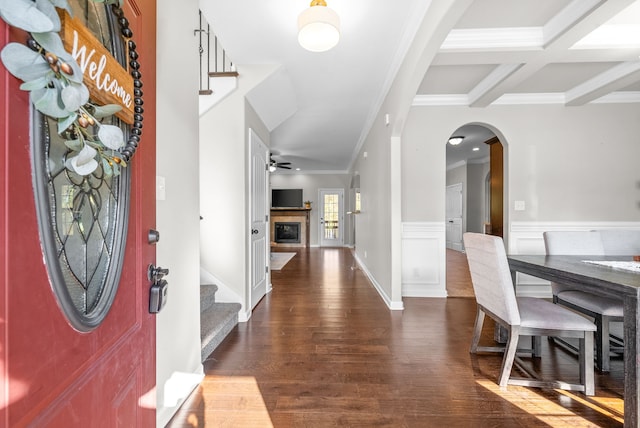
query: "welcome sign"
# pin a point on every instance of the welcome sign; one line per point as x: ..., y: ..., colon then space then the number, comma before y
x: 108, y: 82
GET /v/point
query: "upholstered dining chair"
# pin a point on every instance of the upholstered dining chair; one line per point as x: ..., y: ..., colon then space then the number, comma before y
x: 603, y: 310
x: 617, y: 242
x: 521, y: 316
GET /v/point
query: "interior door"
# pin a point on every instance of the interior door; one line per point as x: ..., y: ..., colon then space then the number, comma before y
x: 331, y: 217
x: 259, y: 218
x: 53, y: 374
x: 454, y: 216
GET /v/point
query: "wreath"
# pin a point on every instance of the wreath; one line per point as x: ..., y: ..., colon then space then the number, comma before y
x: 56, y: 89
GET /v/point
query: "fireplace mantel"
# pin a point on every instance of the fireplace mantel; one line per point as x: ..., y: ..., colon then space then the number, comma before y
x: 303, y: 215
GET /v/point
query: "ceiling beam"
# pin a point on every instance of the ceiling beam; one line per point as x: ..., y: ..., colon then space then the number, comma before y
x: 538, y: 47
x: 613, y: 79
x: 483, y: 94
x: 567, y: 19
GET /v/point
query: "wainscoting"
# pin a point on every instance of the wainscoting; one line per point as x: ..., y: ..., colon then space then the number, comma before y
x: 424, y: 254
x: 424, y: 260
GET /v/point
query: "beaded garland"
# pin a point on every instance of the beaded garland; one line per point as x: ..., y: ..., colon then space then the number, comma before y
x: 133, y: 141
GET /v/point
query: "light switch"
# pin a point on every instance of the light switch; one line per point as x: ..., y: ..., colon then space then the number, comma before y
x: 518, y: 205
x: 161, y: 193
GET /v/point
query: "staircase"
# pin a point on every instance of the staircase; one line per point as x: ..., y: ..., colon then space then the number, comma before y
x: 218, y: 75
x: 216, y: 319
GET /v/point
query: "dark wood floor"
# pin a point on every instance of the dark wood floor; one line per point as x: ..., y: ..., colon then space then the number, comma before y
x: 323, y: 350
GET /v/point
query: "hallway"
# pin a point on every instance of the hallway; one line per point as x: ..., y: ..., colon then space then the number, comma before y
x: 323, y: 350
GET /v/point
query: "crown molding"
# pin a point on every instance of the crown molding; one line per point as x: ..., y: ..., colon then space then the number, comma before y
x: 619, y: 97
x: 441, y: 100
x: 558, y: 98
x: 494, y: 38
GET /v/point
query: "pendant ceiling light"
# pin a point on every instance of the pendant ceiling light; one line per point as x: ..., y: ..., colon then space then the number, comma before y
x: 318, y: 27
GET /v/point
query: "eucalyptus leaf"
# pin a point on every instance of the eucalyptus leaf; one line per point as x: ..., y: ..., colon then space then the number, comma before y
x: 49, y: 9
x: 106, y: 110
x: 74, y: 96
x: 86, y: 154
x: 111, y: 136
x: 106, y: 167
x: 84, y: 168
x: 51, y: 42
x: 25, y: 15
x: 47, y: 101
x: 83, y: 163
x: 75, y: 145
x: 62, y: 4
x: 39, y: 83
x: 65, y: 123
x: 23, y: 63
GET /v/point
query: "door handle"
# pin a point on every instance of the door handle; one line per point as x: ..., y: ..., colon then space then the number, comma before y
x: 254, y: 231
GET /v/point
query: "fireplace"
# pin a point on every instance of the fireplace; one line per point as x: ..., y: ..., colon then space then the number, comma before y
x: 287, y: 216
x: 287, y: 232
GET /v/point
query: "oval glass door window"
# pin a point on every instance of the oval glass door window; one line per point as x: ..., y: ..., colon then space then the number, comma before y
x: 82, y: 219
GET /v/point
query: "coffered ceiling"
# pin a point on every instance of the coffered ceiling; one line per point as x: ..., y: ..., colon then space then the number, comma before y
x: 499, y: 52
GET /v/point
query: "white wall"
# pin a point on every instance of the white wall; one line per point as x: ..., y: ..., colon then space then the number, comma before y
x: 379, y: 226
x: 573, y: 167
x: 178, y: 366
x: 224, y: 187
x: 373, y: 224
x: 565, y: 163
x: 310, y: 183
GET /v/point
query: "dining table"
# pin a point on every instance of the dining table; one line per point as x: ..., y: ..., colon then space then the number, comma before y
x: 608, y: 276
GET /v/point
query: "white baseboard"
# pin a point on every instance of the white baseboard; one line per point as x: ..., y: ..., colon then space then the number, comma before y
x: 244, y: 316
x: 393, y: 305
x: 176, y: 390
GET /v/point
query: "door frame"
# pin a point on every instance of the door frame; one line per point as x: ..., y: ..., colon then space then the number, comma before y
x: 321, y: 241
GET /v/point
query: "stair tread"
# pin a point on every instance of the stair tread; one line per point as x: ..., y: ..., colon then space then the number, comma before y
x: 215, y: 325
x: 218, y: 313
x: 207, y: 296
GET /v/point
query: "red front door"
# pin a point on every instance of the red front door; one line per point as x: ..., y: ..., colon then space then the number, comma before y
x: 51, y: 374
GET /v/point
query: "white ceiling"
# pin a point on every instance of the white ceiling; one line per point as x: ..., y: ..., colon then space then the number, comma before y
x: 319, y: 106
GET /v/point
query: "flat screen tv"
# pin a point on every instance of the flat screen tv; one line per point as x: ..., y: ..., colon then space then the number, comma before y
x: 286, y: 198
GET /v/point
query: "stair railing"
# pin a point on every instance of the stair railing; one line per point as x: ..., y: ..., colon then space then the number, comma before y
x: 213, y: 58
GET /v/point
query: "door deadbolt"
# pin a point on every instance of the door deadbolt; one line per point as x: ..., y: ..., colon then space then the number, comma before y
x: 153, y: 236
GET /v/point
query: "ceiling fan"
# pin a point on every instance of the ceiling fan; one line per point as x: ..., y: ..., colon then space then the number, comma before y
x: 273, y: 164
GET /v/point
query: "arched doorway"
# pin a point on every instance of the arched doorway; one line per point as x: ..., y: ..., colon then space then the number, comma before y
x: 474, y: 196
